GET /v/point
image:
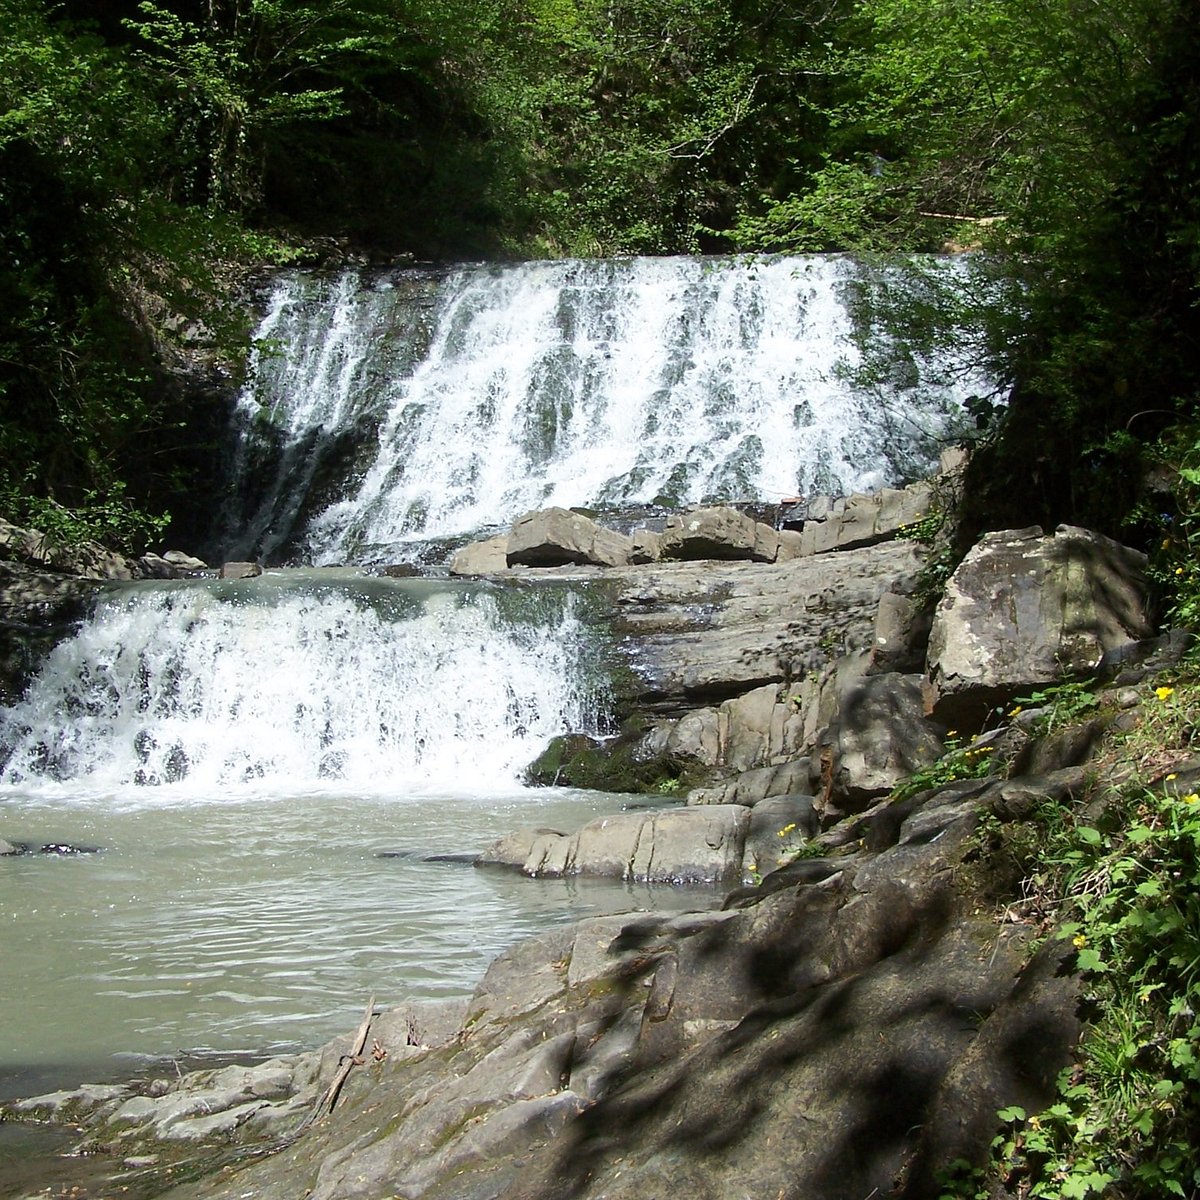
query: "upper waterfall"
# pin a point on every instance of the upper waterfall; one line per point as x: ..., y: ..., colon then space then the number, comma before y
x: 385, y: 410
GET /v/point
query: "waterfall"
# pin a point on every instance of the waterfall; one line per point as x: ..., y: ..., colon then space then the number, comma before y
x: 295, y: 684
x: 386, y: 411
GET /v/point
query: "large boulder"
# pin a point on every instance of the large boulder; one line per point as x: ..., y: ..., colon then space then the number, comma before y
x: 718, y: 533
x: 555, y: 537
x: 482, y: 558
x: 879, y: 737
x: 1024, y: 610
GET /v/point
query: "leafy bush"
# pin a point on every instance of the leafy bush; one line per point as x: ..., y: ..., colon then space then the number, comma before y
x: 111, y: 519
x: 1126, y: 886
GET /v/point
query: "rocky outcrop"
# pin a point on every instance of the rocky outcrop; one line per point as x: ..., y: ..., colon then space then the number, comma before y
x: 713, y: 632
x: 557, y: 537
x: 847, y: 522
x: 86, y: 560
x: 1024, y: 610
x: 849, y: 1028
x: 42, y: 580
x: 879, y: 737
x: 751, y: 787
x: 482, y: 558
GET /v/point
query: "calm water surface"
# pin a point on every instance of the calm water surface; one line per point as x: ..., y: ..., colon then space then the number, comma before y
x: 259, y: 924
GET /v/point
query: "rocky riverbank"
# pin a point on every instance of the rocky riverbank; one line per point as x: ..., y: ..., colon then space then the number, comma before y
x: 851, y: 1024
x: 877, y: 985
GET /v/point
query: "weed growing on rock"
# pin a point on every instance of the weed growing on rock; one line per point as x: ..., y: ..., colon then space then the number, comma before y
x: 925, y: 528
x: 1169, y: 726
x: 1125, y: 882
x: 961, y: 760
x: 1058, y: 705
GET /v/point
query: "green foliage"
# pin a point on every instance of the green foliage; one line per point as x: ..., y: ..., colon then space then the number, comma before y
x: 1058, y: 705
x: 934, y: 530
x: 1171, y: 524
x: 97, y: 265
x: 641, y: 126
x: 1126, y: 1113
x: 112, y: 520
x: 1123, y: 883
x: 924, y: 529
x: 960, y: 760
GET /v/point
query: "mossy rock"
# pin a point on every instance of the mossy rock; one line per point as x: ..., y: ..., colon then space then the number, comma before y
x: 575, y: 760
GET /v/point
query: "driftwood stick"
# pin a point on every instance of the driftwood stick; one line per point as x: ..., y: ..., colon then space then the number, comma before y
x: 349, y: 1061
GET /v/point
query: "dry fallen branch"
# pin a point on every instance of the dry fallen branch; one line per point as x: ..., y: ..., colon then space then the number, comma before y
x: 349, y: 1061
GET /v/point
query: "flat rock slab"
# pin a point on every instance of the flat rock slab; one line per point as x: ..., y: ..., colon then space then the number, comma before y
x: 703, y: 844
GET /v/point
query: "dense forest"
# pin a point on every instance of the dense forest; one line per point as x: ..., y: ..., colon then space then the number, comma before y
x: 150, y: 152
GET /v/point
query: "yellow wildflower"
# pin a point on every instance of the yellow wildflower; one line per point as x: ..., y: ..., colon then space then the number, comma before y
x: 1079, y: 941
x: 1020, y: 708
x: 1191, y: 798
x: 787, y: 829
x: 1164, y: 693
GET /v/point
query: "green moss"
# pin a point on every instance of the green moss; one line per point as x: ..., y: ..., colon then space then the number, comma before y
x: 615, y: 766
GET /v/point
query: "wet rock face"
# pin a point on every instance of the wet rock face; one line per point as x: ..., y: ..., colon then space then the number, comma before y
x: 1024, y: 610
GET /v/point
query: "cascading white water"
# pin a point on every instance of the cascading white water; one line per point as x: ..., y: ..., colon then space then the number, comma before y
x: 284, y: 780
x: 604, y: 383
x: 298, y: 686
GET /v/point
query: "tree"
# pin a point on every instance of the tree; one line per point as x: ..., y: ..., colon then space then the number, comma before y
x: 1060, y: 140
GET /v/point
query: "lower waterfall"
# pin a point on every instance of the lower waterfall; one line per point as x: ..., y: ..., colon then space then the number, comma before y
x: 247, y: 805
x: 302, y: 682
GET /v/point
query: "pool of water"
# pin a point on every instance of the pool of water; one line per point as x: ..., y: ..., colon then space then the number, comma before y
x: 259, y: 924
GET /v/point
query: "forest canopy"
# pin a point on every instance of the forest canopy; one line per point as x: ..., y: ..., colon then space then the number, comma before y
x: 149, y: 151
